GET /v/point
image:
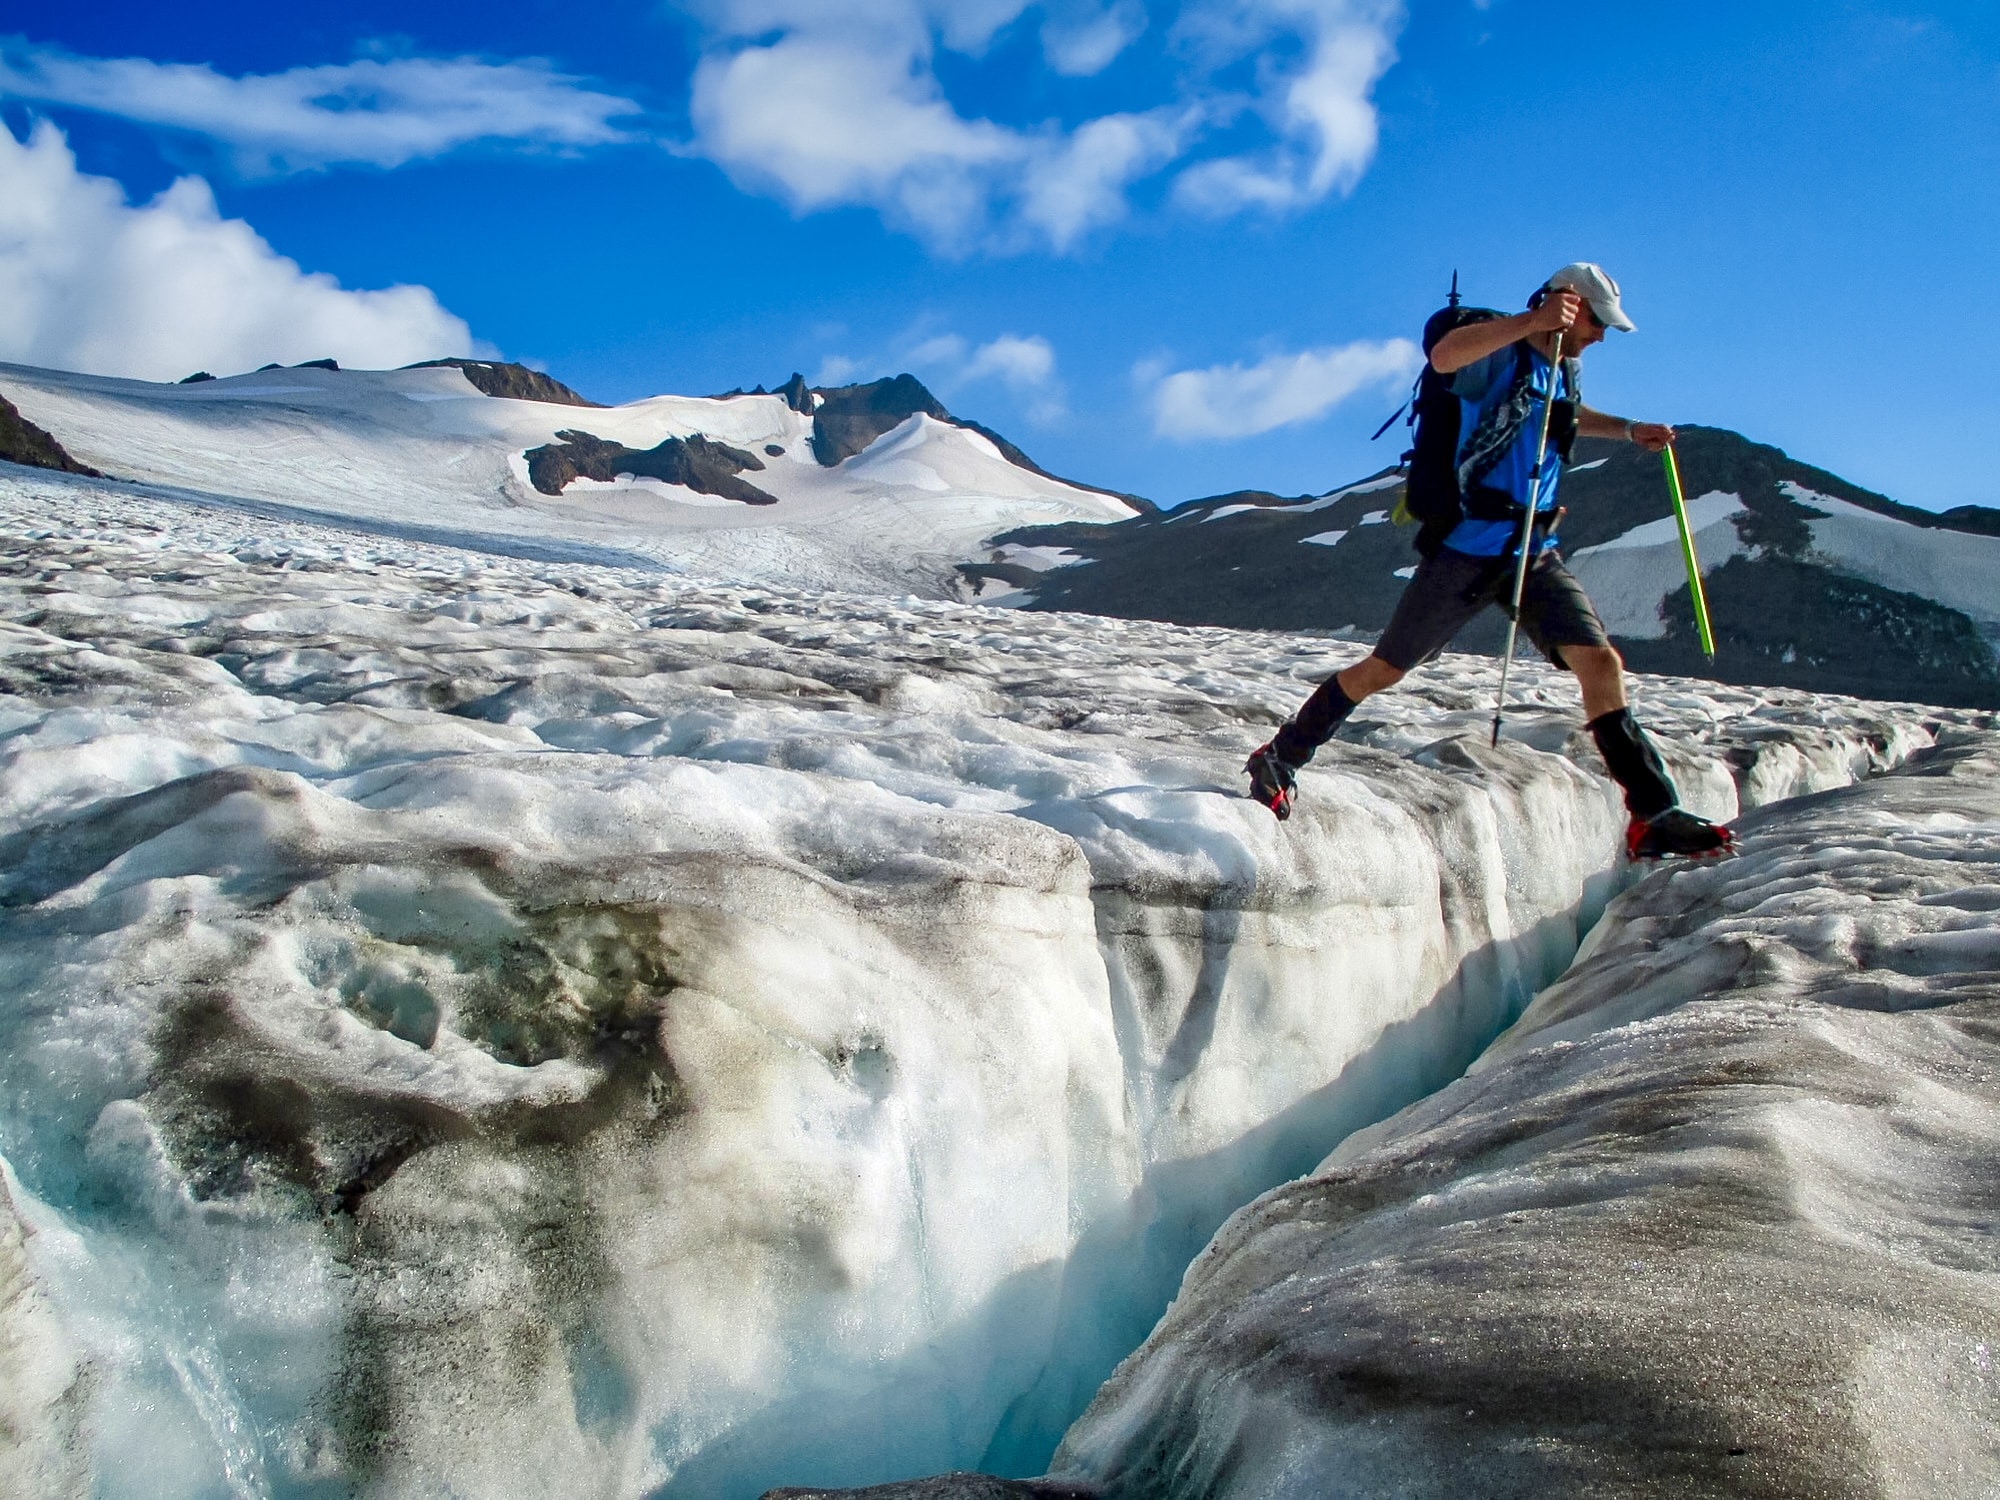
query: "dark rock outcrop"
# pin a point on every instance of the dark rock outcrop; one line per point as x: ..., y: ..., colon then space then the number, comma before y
x: 1796, y: 623
x: 195, y: 379
x: 698, y: 462
x: 515, y: 382
x: 22, y: 442
x: 1980, y: 518
x: 797, y: 395
x: 850, y: 417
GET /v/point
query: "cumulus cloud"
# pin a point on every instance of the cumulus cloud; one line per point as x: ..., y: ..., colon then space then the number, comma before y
x: 1081, y: 40
x: 1027, y: 367
x: 1024, y: 365
x: 1321, y: 110
x: 830, y: 102
x: 1080, y: 184
x: 374, y: 111
x: 1234, y: 401
x: 836, y: 369
x: 825, y: 121
x: 91, y: 282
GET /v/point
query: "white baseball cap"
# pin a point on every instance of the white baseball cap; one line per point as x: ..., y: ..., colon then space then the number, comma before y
x: 1594, y: 284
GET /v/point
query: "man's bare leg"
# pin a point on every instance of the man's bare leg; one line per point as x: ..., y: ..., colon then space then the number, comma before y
x: 1369, y: 675
x: 1600, y: 672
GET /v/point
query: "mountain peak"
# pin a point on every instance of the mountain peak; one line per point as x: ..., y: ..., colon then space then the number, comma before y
x: 515, y: 382
x: 847, y: 418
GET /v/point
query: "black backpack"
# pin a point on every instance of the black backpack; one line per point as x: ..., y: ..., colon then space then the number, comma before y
x: 1431, y: 493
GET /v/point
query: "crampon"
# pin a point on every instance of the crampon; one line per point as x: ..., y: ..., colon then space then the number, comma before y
x: 1677, y: 834
x: 1272, y: 782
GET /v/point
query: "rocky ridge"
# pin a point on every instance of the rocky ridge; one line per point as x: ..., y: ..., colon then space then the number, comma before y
x: 514, y: 381
x: 1786, y: 612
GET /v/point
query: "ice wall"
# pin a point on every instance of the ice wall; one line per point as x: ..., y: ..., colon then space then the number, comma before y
x: 483, y: 1027
x: 43, y: 1391
x: 1714, y: 1218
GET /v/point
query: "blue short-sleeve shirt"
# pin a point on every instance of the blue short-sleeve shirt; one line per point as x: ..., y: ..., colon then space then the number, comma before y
x: 1479, y: 387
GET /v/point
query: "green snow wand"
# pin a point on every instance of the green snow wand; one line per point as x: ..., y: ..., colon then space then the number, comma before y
x: 1527, y: 533
x: 1687, y: 551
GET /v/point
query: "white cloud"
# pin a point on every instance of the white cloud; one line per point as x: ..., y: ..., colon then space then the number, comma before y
x: 1082, y: 39
x: 965, y: 25
x: 89, y: 282
x: 375, y: 111
x: 832, y: 102
x: 827, y: 121
x: 1080, y: 185
x: 1233, y: 401
x: 835, y: 369
x: 1025, y: 365
x: 1321, y: 111
x: 946, y: 352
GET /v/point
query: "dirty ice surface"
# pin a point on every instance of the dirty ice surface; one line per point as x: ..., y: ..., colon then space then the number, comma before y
x: 1716, y: 1217
x: 490, y: 1026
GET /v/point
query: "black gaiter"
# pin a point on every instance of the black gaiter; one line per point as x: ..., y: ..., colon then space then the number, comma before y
x: 1634, y: 763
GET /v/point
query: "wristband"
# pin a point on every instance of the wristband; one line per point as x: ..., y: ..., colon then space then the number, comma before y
x: 1630, y: 435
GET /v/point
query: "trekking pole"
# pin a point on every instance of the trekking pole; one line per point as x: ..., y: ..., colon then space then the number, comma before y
x: 1695, y: 590
x: 1527, y: 535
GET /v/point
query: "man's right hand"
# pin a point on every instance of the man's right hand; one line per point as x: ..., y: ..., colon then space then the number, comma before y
x: 1557, y: 313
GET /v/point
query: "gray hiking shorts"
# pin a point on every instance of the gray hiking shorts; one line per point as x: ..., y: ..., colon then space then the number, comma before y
x: 1450, y: 588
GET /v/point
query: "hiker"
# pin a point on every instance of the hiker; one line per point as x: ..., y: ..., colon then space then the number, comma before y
x: 1492, y: 373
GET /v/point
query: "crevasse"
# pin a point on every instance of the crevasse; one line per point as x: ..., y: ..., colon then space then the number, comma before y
x: 494, y: 1027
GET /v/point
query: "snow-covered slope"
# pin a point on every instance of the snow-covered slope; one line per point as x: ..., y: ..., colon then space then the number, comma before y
x: 1812, y: 582
x: 488, y: 1026
x: 1630, y: 576
x: 424, y: 451
x: 1714, y: 1218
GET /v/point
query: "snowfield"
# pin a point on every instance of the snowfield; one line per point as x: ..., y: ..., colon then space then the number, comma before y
x: 423, y: 454
x: 488, y: 1025
x: 1630, y: 576
x: 1954, y: 568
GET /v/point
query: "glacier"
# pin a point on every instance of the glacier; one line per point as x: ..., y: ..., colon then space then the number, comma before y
x: 492, y: 1024
x: 425, y: 455
x: 1714, y: 1217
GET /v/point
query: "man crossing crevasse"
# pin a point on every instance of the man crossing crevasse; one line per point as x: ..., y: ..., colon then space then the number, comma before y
x: 1473, y: 481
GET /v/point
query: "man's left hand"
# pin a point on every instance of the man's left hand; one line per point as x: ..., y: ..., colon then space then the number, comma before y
x: 1652, y: 436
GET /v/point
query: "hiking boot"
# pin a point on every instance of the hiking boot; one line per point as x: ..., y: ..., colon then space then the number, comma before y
x: 1272, y: 782
x: 1677, y: 834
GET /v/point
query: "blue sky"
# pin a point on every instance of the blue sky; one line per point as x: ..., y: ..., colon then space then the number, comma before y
x: 1174, y: 249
